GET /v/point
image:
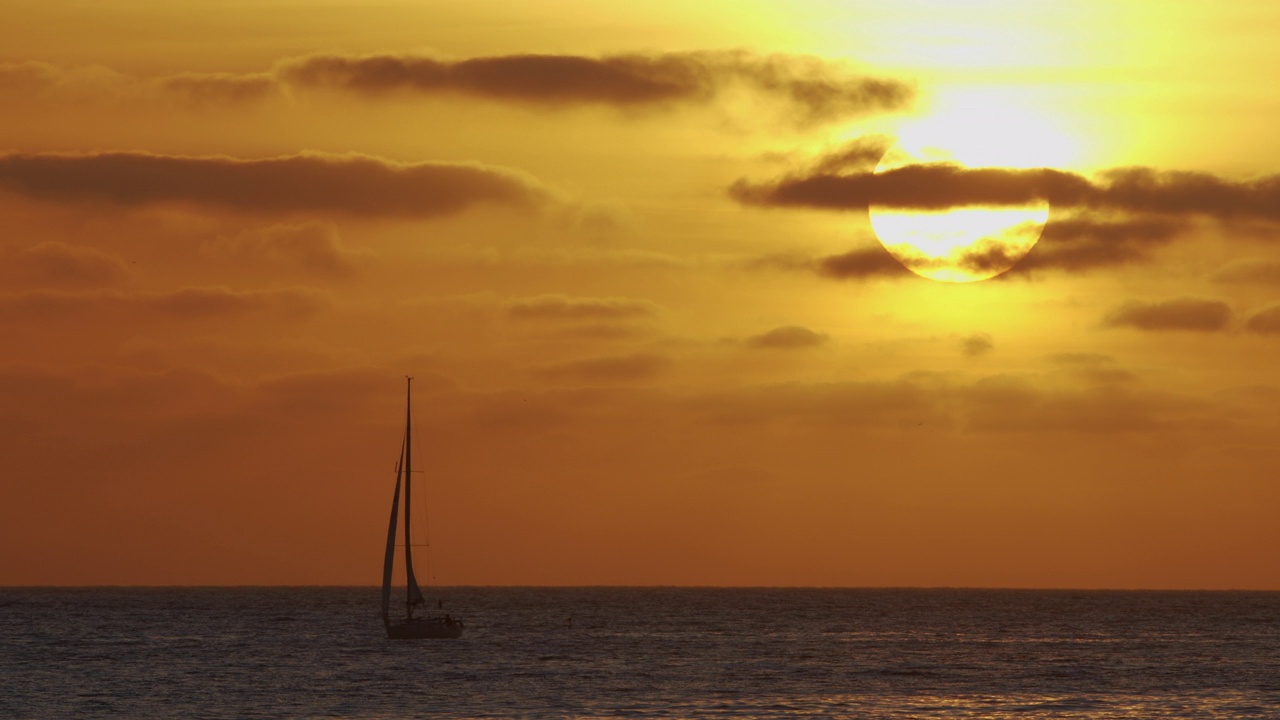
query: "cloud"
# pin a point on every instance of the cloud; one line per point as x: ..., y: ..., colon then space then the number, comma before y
x: 789, y: 337
x: 861, y: 263
x: 976, y: 344
x: 602, y: 331
x: 1191, y: 314
x: 817, y: 89
x: 920, y: 187
x: 601, y: 222
x: 906, y: 402
x: 608, y: 369
x: 1070, y: 244
x: 1094, y: 368
x: 216, y: 301
x: 942, y: 186
x: 314, y: 247
x: 1266, y: 322
x: 187, y: 303
x: 861, y: 154
x: 357, y: 185
x: 1077, y: 244
x: 56, y: 264
x: 93, y: 82
x: 1004, y: 404
x: 562, y: 307
x: 813, y: 89
x: 1260, y: 272
x: 45, y: 80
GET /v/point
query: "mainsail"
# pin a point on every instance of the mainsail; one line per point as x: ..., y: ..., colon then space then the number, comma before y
x: 389, y: 563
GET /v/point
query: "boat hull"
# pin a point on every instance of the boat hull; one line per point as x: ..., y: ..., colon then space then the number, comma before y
x: 425, y: 628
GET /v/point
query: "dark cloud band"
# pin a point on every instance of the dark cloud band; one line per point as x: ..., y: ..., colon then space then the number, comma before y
x: 1192, y: 314
x: 943, y: 186
x: 820, y: 90
x: 308, y: 183
x: 811, y: 88
x: 1070, y: 244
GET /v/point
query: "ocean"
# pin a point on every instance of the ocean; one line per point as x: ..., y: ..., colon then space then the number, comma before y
x: 641, y: 652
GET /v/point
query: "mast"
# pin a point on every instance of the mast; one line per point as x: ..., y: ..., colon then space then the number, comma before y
x: 414, y: 594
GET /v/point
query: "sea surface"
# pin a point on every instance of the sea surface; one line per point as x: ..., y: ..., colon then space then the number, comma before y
x: 641, y: 652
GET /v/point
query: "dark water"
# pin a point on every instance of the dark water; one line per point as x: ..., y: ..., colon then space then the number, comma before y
x: 642, y: 652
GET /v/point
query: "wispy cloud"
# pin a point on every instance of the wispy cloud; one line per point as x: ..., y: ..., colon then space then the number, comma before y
x: 859, y: 264
x: 787, y: 337
x: 1256, y: 272
x: 1266, y: 321
x: 607, y: 369
x: 186, y: 303
x: 976, y: 344
x: 562, y: 307
x: 52, y: 264
x: 220, y: 87
x: 313, y: 247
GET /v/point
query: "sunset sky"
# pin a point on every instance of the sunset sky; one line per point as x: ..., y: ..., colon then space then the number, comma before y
x: 625, y: 251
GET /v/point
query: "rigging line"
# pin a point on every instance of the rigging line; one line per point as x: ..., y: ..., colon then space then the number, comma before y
x: 424, y: 493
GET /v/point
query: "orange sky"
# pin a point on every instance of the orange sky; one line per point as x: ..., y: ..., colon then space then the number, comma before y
x: 627, y: 257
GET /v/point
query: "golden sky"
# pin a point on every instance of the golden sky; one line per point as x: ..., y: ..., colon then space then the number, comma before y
x: 626, y: 252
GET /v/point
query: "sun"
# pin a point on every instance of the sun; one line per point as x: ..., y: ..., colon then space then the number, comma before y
x: 967, y: 244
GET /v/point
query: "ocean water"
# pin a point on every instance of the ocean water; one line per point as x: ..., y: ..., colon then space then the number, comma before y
x: 641, y: 652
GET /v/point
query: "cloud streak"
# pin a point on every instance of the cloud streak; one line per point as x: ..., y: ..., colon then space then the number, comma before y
x: 1071, y: 244
x: 561, y: 307
x: 1255, y: 272
x: 220, y: 87
x: 191, y: 303
x: 57, y: 264
x: 787, y: 337
x: 314, y: 247
x: 1078, y: 244
x: 607, y: 369
x: 310, y: 183
x: 944, y: 186
x: 859, y: 264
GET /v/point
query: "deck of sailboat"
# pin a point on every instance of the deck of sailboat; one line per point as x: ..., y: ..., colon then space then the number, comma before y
x: 425, y: 628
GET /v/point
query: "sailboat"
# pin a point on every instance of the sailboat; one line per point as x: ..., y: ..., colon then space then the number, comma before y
x: 412, y: 627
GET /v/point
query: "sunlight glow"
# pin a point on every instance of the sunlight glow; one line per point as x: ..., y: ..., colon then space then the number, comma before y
x: 987, y: 127
x: 965, y: 244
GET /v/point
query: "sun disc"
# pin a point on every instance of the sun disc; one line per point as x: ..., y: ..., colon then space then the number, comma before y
x: 962, y: 244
